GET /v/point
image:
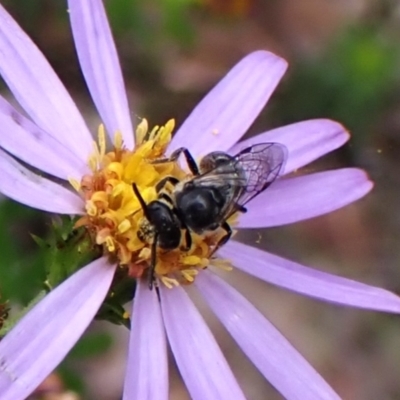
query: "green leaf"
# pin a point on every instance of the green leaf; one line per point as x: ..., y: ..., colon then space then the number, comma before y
x: 10, y: 322
x: 21, y: 272
x: 91, y: 344
x: 66, y: 251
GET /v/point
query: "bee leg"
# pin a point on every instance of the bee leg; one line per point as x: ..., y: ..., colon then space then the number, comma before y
x: 194, y: 169
x: 188, y: 240
x: 242, y: 209
x: 228, y: 235
x: 153, y: 261
x: 160, y: 185
x: 224, y: 238
x: 141, y: 201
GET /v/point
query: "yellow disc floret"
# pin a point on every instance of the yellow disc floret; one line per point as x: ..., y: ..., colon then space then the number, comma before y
x: 114, y: 217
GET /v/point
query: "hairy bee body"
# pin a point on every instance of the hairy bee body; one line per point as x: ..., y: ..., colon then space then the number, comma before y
x: 220, y: 186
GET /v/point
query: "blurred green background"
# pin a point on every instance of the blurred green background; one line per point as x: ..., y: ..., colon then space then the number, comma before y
x: 344, y: 64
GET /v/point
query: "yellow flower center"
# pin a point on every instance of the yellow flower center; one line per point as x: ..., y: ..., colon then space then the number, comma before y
x: 114, y: 217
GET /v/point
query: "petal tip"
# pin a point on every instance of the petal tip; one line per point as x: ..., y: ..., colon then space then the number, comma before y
x: 265, y: 56
x: 362, y: 178
x: 370, y: 184
x: 335, y: 127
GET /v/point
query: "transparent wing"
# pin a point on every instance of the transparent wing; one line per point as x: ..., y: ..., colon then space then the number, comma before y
x: 261, y: 165
x: 246, y: 175
x: 223, y: 175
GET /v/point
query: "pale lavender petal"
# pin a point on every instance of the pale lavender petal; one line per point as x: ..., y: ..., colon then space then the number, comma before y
x: 308, y: 281
x: 24, y: 186
x: 280, y: 363
x: 100, y: 66
x: 295, y: 199
x: 147, y: 371
x: 200, y: 361
x: 38, y: 89
x: 28, y: 142
x: 229, y: 109
x: 40, y: 341
x: 306, y: 141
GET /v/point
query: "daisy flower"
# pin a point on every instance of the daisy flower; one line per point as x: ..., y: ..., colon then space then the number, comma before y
x: 97, y: 188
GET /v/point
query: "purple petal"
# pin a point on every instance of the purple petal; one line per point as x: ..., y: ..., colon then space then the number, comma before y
x: 40, y: 341
x: 229, y: 109
x: 306, y: 141
x: 280, y: 363
x: 26, y: 187
x: 100, y: 66
x: 147, y: 371
x: 200, y: 360
x: 38, y: 89
x: 308, y: 281
x: 28, y: 142
x: 295, y: 199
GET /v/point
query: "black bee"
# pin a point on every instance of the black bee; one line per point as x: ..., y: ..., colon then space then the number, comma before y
x: 220, y: 186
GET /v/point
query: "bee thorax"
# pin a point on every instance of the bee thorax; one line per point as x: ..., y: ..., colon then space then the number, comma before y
x: 200, y: 207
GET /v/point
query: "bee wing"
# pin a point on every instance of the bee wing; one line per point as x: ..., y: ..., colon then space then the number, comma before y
x: 261, y: 164
x: 224, y: 177
x: 227, y: 181
x: 248, y: 174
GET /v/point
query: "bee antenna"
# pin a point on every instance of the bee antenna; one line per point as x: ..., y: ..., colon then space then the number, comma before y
x: 141, y: 201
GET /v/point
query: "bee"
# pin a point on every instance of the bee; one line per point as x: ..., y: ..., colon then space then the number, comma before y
x: 220, y: 186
